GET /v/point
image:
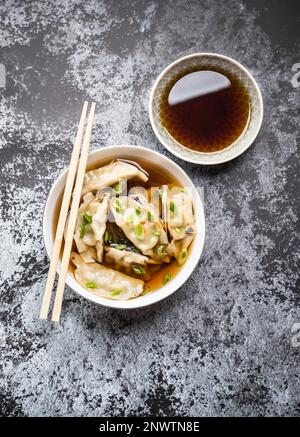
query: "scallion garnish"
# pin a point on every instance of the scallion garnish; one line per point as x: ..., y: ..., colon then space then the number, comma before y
x: 150, y: 216
x: 82, y: 229
x: 107, y: 237
x: 156, y: 232
x: 115, y: 292
x: 119, y: 187
x: 120, y: 246
x: 138, y: 270
x: 161, y: 250
x: 87, y: 218
x: 172, y: 207
x: 139, y: 232
x: 130, y: 219
x: 166, y: 278
x: 118, y: 206
x: 91, y: 285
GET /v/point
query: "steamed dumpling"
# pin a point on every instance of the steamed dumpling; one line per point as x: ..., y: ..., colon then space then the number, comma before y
x: 106, y: 282
x: 125, y: 258
x: 132, y: 217
x: 179, y: 215
x: 159, y: 252
x: 110, y: 174
x: 134, y: 264
x: 89, y: 255
x: 91, y: 224
x: 179, y: 249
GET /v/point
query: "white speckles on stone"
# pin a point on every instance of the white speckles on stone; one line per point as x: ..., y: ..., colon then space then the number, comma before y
x: 149, y: 17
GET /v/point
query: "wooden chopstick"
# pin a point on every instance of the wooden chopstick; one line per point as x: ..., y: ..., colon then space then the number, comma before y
x: 63, y: 214
x: 73, y: 216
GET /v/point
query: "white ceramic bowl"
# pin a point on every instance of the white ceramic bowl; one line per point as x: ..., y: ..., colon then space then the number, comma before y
x: 134, y: 153
x: 194, y: 62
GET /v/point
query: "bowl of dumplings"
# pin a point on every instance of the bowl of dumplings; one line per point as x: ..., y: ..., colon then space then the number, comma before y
x: 140, y: 228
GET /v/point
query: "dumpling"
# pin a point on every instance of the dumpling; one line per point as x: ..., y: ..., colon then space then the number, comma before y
x: 125, y: 258
x: 91, y: 224
x: 159, y: 252
x: 178, y: 249
x: 106, y: 282
x: 89, y: 255
x: 131, y: 263
x: 178, y: 213
x: 133, y: 218
x: 110, y: 174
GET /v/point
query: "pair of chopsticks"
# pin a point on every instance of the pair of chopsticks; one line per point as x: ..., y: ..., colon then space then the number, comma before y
x: 64, y: 213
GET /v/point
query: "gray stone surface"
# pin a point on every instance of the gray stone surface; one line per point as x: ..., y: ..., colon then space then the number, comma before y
x: 221, y: 345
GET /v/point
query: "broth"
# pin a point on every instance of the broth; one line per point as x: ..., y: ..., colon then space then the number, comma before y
x: 157, y: 177
x: 205, y: 110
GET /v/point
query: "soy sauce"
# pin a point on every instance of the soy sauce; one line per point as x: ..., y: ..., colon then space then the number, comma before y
x: 205, y: 110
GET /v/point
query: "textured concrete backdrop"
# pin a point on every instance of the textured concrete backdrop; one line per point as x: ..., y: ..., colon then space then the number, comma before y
x: 222, y: 344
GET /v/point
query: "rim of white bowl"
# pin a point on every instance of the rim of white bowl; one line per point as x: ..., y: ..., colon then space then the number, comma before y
x: 182, y: 275
x: 215, y: 155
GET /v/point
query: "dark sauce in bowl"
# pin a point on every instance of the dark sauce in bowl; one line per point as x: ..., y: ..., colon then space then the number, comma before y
x: 205, y: 110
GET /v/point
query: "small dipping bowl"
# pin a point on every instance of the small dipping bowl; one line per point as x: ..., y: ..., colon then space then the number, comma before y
x: 195, y: 62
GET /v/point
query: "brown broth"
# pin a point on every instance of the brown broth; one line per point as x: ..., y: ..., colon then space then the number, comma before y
x: 205, y: 110
x: 157, y: 177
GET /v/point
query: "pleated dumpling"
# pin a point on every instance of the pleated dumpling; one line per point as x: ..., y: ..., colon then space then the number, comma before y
x: 110, y: 174
x: 178, y: 212
x: 106, y: 282
x: 180, y: 220
x: 179, y: 249
x: 125, y: 258
x: 133, y: 218
x: 91, y: 224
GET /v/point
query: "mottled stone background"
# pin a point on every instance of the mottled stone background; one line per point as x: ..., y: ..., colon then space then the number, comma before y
x: 222, y: 344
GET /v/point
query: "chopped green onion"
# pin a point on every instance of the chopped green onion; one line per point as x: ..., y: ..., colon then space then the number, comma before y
x: 91, y: 285
x: 184, y: 253
x: 130, y: 219
x: 120, y: 246
x: 150, y: 216
x: 139, y: 232
x: 119, y: 187
x: 146, y: 291
x: 87, y: 218
x: 82, y: 229
x: 182, y: 189
x: 138, y: 270
x: 161, y: 250
x: 107, y: 237
x: 172, y: 207
x: 156, y: 232
x: 118, y: 206
x: 115, y: 292
x: 181, y: 257
x: 138, y: 211
x: 166, y: 278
